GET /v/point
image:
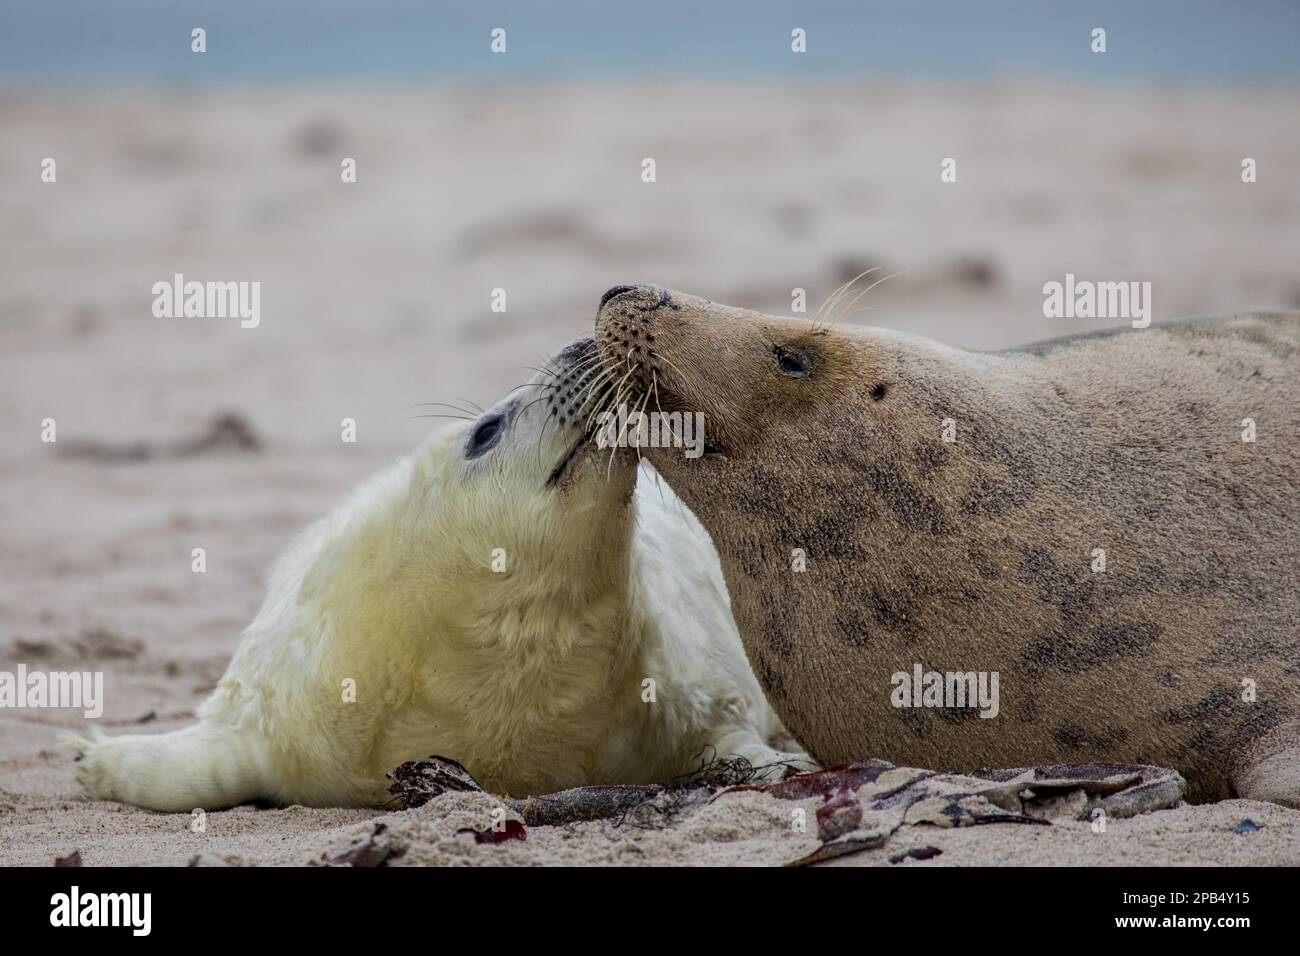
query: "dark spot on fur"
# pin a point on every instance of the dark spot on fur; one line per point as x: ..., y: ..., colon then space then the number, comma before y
x: 1216, y: 705
x: 770, y: 678
x: 1244, y: 645
x: 1073, y: 595
x: 930, y: 456
x: 989, y: 496
x: 1070, y: 735
x: 1029, y: 708
x: 909, y: 504
x: 779, y: 609
x: 983, y: 564
x: 915, y: 721
x: 853, y: 629
x: 1074, y: 737
x: 1060, y: 651
x: 1258, y: 721
x: 894, y: 610
x: 879, y: 392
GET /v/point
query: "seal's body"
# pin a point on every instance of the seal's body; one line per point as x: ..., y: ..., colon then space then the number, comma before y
x: 1106, y: 525
x: 503, y: 597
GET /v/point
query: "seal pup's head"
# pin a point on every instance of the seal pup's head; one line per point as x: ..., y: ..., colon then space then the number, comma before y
x: 483, y: 583
x: 522, y: 486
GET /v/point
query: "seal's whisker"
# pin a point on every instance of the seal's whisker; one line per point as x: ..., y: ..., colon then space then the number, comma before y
x: 864, y: 292
x: 629, y: 374
x: 467, y: 411
x: 835, y: 296
x: 608, y: 402
x: 550, y: 373
x: 641, y: 411
x: 599, y: 406
x: 606, y: 375
x: 532, y: 403
x: 541, y: 433
x: 585, y: 364
x: 674, y: 366
x: 617, y: 397
x: 534, y: 385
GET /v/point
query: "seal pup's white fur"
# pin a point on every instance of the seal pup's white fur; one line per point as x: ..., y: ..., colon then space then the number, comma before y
x: 532, y: 677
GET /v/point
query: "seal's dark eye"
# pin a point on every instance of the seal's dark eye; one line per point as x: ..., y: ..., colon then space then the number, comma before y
x: 791, y: 363
x: 485, y: 435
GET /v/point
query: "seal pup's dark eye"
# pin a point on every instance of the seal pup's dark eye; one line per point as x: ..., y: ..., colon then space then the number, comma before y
x: 791, y: 363
x: 485, y: 435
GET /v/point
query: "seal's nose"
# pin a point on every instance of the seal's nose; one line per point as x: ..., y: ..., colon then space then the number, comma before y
x: 617, y: 290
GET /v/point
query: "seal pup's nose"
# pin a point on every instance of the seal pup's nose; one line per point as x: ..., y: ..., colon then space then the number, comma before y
x: 577, y: 350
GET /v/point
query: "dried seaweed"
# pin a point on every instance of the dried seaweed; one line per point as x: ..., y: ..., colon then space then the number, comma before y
x: 864, y: 803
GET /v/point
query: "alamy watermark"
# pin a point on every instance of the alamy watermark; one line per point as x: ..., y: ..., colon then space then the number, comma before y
x: 133, y: 911
x: 1084, y: 299
x: 208, y: 300
x: 637, y: 429
x: 952, y: 689
x: 74, y: 689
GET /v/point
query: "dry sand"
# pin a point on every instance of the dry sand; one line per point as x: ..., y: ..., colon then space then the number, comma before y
x: 376, y: 296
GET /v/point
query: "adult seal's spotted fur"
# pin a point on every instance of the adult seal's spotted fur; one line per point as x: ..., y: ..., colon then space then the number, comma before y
x: 1082, y: 518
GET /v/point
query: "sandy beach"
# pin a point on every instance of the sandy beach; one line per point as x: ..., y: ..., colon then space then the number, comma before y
x: 376, y: 296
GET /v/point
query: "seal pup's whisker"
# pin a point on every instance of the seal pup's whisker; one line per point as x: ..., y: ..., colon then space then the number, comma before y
x: 450, y: 405
x: 596, y: 400
x: 540, y: 398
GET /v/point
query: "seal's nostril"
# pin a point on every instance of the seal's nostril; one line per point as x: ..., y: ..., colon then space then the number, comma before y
x: 617, y: 290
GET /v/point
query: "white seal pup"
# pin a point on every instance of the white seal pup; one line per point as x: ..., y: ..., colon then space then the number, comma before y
x: 508, y: 596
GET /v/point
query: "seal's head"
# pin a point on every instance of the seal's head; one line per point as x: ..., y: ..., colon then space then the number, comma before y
x: 493, y: 564
x: 523, y: 482
x: 763, y: 384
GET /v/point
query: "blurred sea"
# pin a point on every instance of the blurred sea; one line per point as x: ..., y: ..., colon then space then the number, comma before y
x: 78, y: 43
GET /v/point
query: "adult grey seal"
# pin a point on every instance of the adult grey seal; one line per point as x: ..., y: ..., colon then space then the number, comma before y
x: 1087, y: 549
